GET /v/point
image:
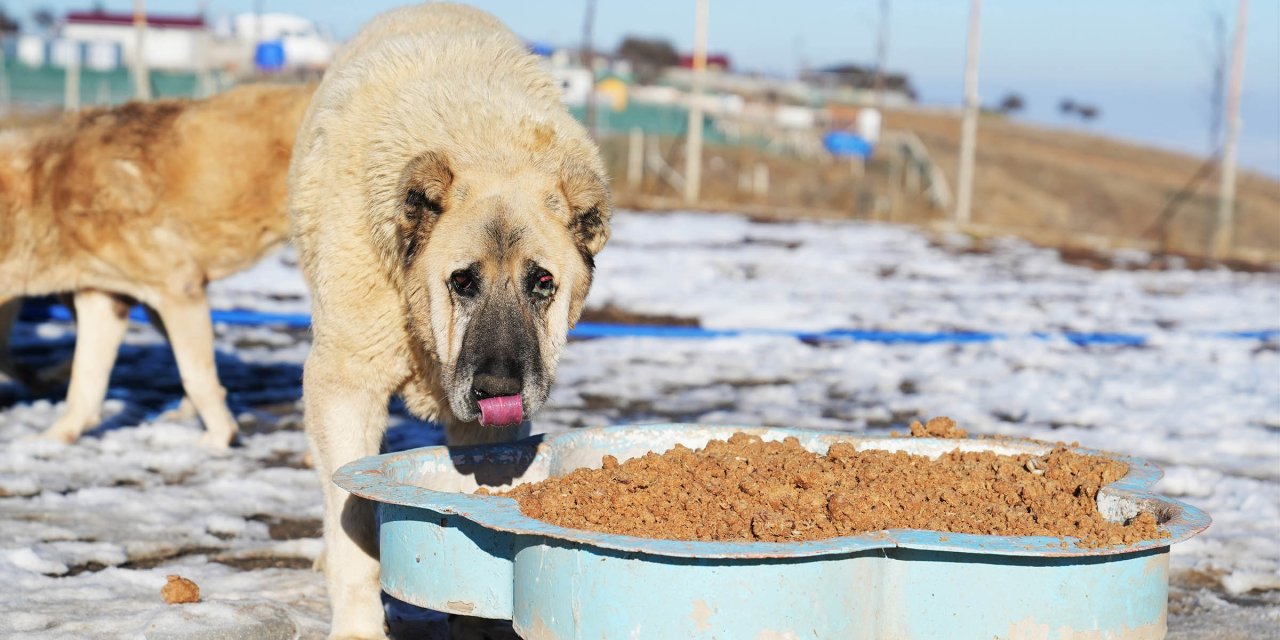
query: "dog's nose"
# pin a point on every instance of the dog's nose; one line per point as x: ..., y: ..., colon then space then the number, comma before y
x: 496, y: 377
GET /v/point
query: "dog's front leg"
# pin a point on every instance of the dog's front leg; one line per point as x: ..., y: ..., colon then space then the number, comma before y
x: 185, y: 317
x: 346, y: 415
x: 186, y: 409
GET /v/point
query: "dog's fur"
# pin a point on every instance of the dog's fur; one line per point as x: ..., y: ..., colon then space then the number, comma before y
x: 144, y: 202
x: 435, y: 146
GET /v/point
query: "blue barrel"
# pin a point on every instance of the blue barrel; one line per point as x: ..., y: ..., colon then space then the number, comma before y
x: 269, y: 56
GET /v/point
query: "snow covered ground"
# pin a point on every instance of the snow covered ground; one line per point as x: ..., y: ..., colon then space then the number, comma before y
x: 89, y: 531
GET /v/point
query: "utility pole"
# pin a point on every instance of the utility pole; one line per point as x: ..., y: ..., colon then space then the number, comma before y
x: 882, y: 53
x: 141, y: 79
x: 969, y: 126
x: 693, y: 144
x: 588, y: 61
x: 1224, y: 227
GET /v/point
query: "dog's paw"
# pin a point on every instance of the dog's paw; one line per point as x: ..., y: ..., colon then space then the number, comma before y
x: 356, y: 635
x: 217, y: 442
x: 185, y: 410
x: 54, y: 434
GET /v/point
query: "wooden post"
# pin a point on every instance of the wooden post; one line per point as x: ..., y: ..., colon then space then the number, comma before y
x: 969, y: 127
x: 1224, y: 227
x: 141, y: 77
x: 103, y: 96
x: 71, y: 88
x: 4, y: 85
x: 693, y: 144
x: 635, y: 158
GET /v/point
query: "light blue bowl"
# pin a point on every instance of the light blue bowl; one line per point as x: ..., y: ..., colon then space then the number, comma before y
x: 446, y: 549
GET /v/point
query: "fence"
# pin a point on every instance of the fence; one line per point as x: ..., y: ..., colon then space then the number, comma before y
x: 46, y: 86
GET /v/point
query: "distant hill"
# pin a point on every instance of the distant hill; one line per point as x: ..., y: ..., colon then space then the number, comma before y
x: 1045, y: 179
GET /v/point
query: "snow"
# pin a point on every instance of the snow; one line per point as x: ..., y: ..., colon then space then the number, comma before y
x: 89, y: 531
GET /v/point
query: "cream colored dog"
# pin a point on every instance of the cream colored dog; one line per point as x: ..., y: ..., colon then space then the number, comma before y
x: 146, y: 202
x: 447, y: 209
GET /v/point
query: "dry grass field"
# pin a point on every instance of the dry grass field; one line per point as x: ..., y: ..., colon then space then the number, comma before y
x: 1074, y: 183
x: 1057, y: 188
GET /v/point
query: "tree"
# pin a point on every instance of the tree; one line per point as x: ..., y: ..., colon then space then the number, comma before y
x: 648, y: 57
x: 1067, y: 107
x: 1011, y: 104
x: 44, y: 19
x: 7, y: 23
x: 1088, y: 112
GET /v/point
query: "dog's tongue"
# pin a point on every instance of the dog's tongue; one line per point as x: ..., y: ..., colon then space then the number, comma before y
x: 501, y: 411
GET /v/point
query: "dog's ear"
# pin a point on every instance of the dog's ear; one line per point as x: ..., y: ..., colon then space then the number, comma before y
x: 427, y: 182
x: 425, y: 189
x: 587, y: 194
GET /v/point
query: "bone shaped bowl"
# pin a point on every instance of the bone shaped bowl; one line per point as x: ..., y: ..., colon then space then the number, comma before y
x: 445, y: 548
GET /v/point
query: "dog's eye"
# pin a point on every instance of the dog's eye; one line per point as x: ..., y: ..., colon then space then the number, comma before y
x: 542, y: 285
x: 463, y: 282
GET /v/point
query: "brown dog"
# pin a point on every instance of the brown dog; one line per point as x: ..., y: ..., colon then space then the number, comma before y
x: 447, y: 209
x: 146, y: 202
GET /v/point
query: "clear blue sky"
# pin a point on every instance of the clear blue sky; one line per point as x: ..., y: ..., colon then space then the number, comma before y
x: 1144, y: 63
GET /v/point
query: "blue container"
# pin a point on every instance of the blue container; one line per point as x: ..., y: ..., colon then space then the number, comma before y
x: 446, y: 549
x: 269, y: 56
x: 847, y: 144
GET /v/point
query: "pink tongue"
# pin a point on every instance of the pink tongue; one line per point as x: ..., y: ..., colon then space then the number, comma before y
x: 501, y: 411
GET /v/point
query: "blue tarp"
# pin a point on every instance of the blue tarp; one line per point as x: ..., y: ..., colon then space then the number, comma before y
x: 37, y: 311
x: 846, y: 144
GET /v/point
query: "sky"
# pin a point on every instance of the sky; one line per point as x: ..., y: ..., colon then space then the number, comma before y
x: 1143, y: 63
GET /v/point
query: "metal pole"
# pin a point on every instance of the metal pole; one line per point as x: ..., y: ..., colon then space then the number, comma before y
x: 141, y: 78
x: 1224, y: 228
x: 693, y: 145
x: 969, y: 127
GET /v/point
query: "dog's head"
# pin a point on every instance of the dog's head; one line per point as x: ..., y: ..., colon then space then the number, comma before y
x: 496, y: 267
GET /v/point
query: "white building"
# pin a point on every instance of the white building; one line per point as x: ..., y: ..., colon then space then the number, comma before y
x: 575, y: 84
x: 171, y: 42
x: 305, y: 43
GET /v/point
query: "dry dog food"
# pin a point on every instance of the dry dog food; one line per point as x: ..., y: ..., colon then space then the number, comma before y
x: 746, y: 489
x: 179, y: 590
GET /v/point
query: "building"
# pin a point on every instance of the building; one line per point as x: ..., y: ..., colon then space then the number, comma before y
x: 305, y: 44
x: 171, y: 42
x: 715, y: 62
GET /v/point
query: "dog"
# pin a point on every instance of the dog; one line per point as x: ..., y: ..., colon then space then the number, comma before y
x: 447, y: 210
x: 144, y: 203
